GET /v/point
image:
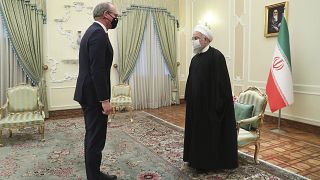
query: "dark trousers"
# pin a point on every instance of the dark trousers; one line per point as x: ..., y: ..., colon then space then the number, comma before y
x: 95, y: 138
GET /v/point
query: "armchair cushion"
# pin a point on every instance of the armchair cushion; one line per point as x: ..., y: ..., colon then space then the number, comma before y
x: 250, y: 105
x: 243, y: 111
x: 21, y: 120
x: 22, y: 99
x: 22, y: 109
x: 246, y: 137
x: 121, y: 101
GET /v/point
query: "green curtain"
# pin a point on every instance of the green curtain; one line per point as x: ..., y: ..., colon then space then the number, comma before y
x: 24, y: 22
x: 130, y: 32
x: 166, y: 30
x: 167, y: 33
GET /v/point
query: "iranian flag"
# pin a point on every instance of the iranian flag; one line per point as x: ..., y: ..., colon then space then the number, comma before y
x: 279, y: 85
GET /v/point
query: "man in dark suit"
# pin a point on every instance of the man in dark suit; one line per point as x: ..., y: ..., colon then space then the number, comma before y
x: 93, y: 86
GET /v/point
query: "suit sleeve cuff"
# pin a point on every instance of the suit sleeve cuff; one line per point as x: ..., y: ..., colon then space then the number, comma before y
x: 107, y: 100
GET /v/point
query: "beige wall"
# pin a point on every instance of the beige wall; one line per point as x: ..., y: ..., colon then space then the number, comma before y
x: 304, y: 25
x: 62, y: 50
x: 192, y: 12
x: 239, y: 34
x: 238, y: 29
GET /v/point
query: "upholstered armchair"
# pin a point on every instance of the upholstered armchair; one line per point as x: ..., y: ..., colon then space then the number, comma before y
x: 121, y: 99
x: 22, y: 109
x: 249, y: 112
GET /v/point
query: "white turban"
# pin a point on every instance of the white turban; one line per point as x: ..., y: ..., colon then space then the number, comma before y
x: 204, y: 30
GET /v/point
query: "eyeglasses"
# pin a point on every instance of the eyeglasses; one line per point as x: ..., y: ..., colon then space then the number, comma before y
x: 113, y: 16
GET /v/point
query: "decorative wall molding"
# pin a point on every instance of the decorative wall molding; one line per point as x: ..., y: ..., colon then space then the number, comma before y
x: 239, y: 21
x: 306, y: 89
x: 237, y: 79
x: 249, y: 39
x: 72, y: 105
x: 53, y: 70
x: 74, y: 37
x: 300, y: 90
x: 295, y: 118
x: 228, y: 58
x: 240, y: 86
x: 297, y: 88
x: 63, y: 87
x: 70, y: 61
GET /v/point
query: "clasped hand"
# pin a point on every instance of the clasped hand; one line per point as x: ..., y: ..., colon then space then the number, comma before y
x: 107, y: 108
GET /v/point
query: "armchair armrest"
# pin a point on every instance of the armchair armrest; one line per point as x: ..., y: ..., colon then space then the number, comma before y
x: 3, y: 109
x: 41, y: 106
x: 249, y: 120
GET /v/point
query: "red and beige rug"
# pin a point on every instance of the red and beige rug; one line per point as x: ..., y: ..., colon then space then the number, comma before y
x: 147, y: 148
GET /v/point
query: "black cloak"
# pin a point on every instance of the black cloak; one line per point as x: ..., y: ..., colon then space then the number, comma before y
x: 210, y: 141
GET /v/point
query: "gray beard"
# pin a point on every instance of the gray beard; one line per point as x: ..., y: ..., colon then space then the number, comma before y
x: 275, y: 18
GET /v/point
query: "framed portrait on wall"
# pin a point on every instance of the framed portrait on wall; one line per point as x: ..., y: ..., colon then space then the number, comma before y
x: 273, y: 17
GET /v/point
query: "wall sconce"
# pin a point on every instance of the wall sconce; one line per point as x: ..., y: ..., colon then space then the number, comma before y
x: 45, y: 67
x: 116, y: 67
x: 79, y: 38
x: 208, y: 20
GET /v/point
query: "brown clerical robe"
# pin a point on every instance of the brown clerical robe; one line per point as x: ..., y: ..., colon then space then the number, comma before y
x: 210, y: 141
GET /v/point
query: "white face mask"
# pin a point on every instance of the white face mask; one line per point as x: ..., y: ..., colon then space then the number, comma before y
x: 196, y: 46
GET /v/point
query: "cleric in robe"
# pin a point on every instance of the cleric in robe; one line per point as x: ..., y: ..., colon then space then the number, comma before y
x: 210, y: 141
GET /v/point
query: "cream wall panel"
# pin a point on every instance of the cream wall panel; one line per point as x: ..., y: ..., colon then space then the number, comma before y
x: 305, y: 109
x: 182, y: 69
x: 237, y: 89
x: 182, y: 41
x: 304, y: 57
x: 239, y: 7
x: 182, y: 89
x: 305, y: 41
x: 219, y: 10
x: 239, y: 53
x: 185, y: 49
x: 60, y: 98
x: 62, y: 49
x: 193, y: 13
x: 257, y: 50
x: 260, y: 48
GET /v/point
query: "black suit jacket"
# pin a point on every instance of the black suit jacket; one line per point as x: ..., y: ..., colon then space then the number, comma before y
x: 95, y: 60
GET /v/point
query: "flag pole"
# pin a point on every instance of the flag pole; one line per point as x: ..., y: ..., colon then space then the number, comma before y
x: 279, y: 119
x: 278, y: 130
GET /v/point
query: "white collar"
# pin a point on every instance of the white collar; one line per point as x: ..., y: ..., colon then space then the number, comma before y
x: 104, y: 28
x: 205, y: 49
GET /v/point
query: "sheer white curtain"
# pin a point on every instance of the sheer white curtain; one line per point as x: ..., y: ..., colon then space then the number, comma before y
x: 150, y: 80
x: 11, y: 73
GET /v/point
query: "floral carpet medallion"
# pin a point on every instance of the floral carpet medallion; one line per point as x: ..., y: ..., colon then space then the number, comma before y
x: 147, y: 148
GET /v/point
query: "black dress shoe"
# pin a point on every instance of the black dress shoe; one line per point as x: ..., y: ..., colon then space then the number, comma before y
x: 108, y: 177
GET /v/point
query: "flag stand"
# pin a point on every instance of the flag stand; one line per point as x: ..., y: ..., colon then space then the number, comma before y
x: 278, y: 130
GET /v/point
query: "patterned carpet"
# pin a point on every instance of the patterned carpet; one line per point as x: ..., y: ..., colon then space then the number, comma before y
x: 147, y: 148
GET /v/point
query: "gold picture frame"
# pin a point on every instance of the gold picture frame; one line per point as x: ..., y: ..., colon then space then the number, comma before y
x: 273, y: 17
